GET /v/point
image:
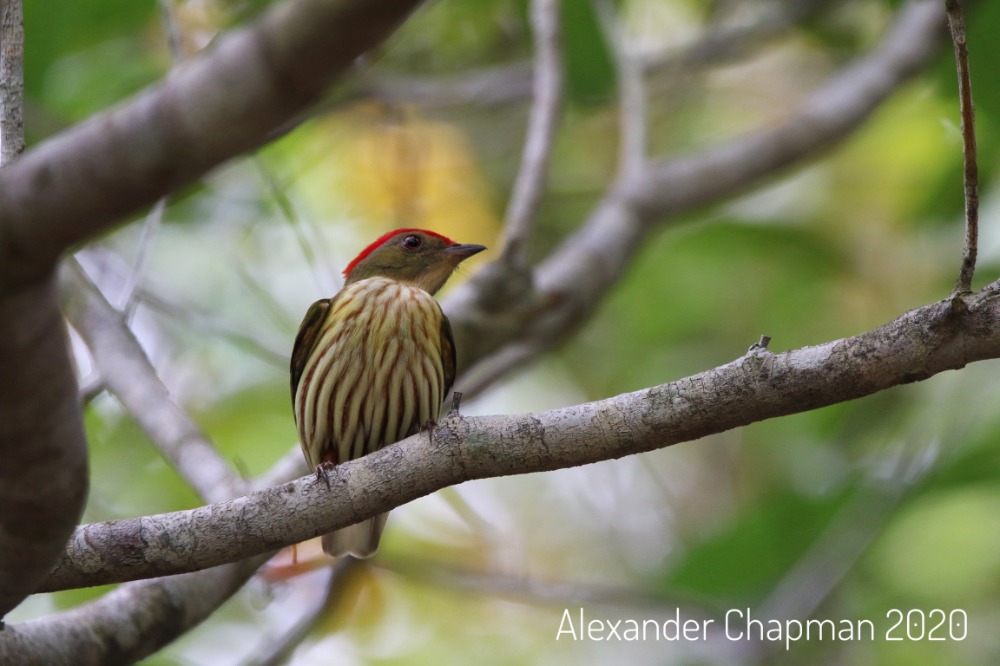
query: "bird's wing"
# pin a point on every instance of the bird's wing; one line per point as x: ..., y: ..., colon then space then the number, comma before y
x: 309, y: 330
x: 447, y: 354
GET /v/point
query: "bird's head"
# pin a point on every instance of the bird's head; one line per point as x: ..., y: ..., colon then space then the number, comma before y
x: 412, y: 256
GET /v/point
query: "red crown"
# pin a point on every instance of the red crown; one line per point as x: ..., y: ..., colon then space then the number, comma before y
x: 382, y: 239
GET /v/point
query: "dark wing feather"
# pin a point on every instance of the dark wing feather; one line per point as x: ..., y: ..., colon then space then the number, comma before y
x: 309, y: 330
x: 447, y: 354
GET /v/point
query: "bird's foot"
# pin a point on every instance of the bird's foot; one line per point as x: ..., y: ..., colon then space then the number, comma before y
x: 323, y: 472
x: 429, y: 428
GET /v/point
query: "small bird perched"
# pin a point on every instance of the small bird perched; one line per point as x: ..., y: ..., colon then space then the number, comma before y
x: 372, y: 365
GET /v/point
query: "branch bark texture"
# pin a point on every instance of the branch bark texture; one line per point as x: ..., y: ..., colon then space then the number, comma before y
x: 11, y: 80
x: 945, y: 335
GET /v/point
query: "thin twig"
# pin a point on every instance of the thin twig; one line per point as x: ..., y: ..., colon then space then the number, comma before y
x: 547, y: 94
x: 128, y: 301
x: 325, y: 281
x: 209, y: 323
x: 11, y: 80
x: 280, y: 650
x: 131, y: 378
x: 956, y: 23
x: 175, y: 40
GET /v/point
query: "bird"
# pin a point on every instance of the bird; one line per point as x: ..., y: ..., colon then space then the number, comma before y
x: 372, y: 365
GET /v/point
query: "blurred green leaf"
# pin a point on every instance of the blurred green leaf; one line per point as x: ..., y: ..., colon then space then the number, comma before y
x: 943, y: 550
x: 590, y: 71
x: 56, y: 29
x: 253, y: 427
x: 742, y: 563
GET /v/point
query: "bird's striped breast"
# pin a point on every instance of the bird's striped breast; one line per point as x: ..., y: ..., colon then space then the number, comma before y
x: 375, y: 374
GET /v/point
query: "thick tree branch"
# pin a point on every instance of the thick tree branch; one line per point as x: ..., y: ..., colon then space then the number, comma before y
x: 571, y: 282
x: 208, y: 110
x: 945, y: 335
x: 126, y: 624
x: 43, y: 476
x: 81, y: 182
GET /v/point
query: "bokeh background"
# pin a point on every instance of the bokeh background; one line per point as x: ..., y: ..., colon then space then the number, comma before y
x: 890, y: 502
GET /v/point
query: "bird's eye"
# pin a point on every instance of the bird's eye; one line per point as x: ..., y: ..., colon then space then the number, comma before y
x: 412, y: 242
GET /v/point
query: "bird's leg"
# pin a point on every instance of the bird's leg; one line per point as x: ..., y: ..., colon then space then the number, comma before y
x: 323, y: 472
x: 429, y: 427
x: 456, y: 401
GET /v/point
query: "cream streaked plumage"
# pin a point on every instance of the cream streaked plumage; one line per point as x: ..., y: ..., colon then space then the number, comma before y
x: 380, y: 337
x: 372, y: 365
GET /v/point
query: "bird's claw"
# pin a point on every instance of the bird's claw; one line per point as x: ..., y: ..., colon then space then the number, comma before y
x: 323, y: 472
x: 429, y: 427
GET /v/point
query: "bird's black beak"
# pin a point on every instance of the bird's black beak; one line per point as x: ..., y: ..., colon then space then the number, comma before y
x: 464, y: 251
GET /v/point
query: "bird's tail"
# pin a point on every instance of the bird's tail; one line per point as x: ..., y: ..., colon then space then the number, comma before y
x: 359, y: 540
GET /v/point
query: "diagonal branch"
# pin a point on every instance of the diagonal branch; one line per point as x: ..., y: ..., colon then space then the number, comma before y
x: 571, y: 282
x: 631, y: 92
x: 509, y: 278
x: 208, y: 110
x: 126, y: 624
x: 130, y: 377
x: 547, y: 93
x: 945, y: 335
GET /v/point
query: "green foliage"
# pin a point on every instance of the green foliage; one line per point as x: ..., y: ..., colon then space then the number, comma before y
x: 128, y: 478
x: 81, y: 57
x: 250, y: 427
x: 744, y: 562
x: 590, y: 73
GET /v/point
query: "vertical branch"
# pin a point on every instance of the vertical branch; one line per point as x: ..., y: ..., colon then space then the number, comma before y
x: 43, y: 477
x: 547, y: 94
x: 11, y: 80
x: 956, y: 23
x: 509, y: 279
